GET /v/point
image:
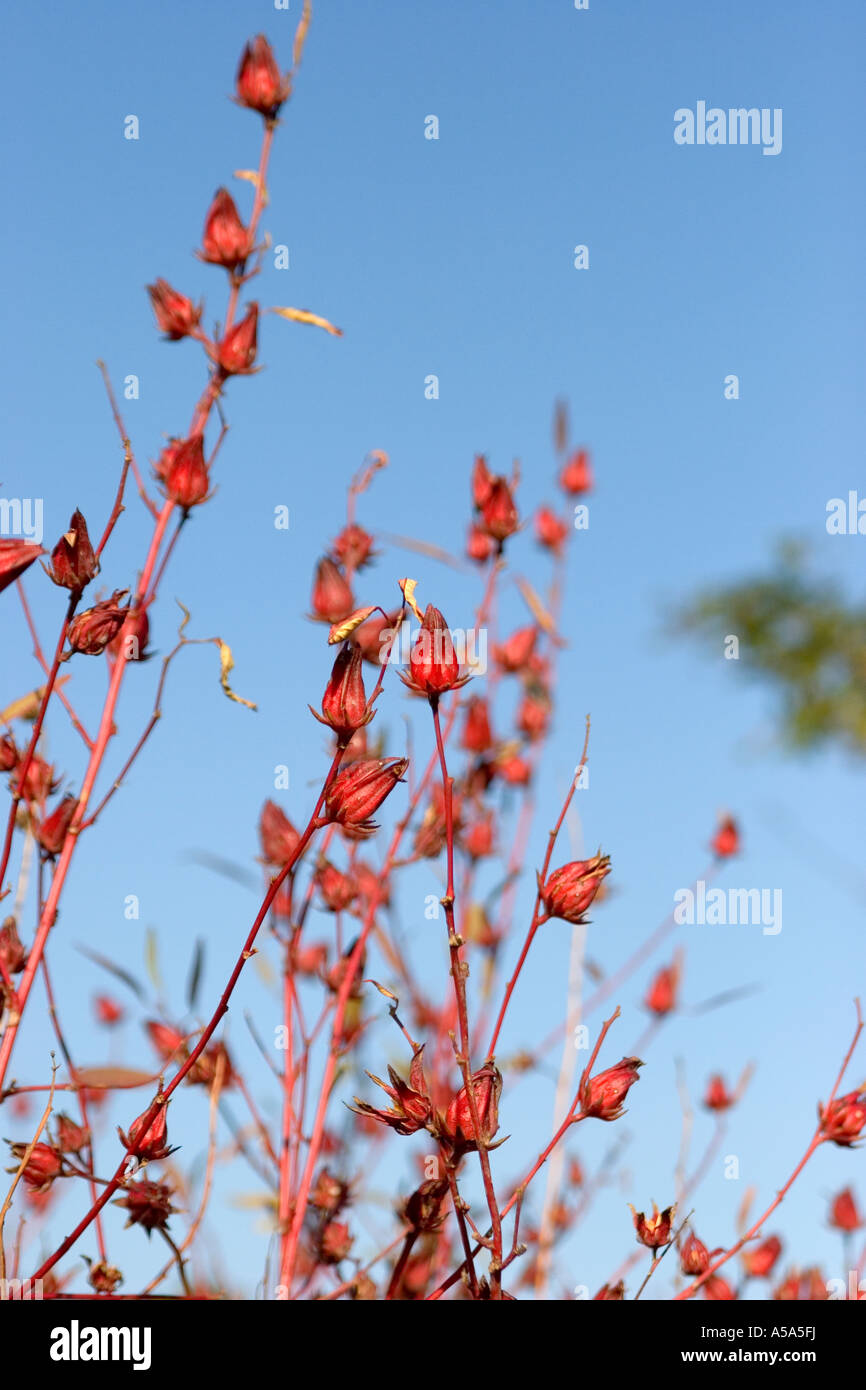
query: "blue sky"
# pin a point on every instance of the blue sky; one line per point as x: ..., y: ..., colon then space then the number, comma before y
x: 455, y: 257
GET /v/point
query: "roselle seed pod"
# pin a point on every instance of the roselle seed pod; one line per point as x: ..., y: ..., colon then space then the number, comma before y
x: 237, y: 351
x: 107, y: 1010
x: 479, y: 546
x: 486, y: 1088
x: 332, y: 593
x: 90, y: 632
x: 225, y: 241
x: 12, y: 952
x: 359, y: 790
x: 277, y: 836
x: 514, y: 654
x: 334, y: 1243
x: 716, y: 1289
x: 433, y: 664
x: 568, y: 892
x: 260, y: 85
x: 843, y: 1121
x: 694, y: 1256
x: 412, y: 1105
x: 43, y: 1166
x: 176, y: 315
x: 148, y: 1144
x: 8, y: 753
x: 344, y: 703
x: 476, y: 736
x: 601, y: 1096
x: 482, y: 481
x: 499, y: 512
x: 717, y: 1095
x: 353, y: 547
x: 726, y: 841
x: 759, y: 1261
x: 52, y: 832
x: 661, y: 996
x: 576, y: 475
x: 844, y: 1214
x: 73, y: 561
x: 654, y: 1231
x: 71, y: 1138
x: 148, y: 1204
x: 169, y: 1041
x: 15, y: 557
x: 183, y: 472
x: 610, y: 1293
x: 338, y: 890
x: 550, y: 529
x: 103, y: 1277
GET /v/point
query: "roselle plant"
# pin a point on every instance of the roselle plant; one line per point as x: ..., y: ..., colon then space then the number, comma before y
x: 457, y: 797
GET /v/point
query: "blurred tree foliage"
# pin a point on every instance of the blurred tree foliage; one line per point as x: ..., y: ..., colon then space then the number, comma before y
x: 802, y: 636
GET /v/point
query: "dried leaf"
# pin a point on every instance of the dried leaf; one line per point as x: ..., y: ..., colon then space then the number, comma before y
x: 151, y: 959
x: 305, y: 316
x: 301, y: 34
x: 536, y: 607
x: 560, y: 427
x: 107, y: 1078
x: 388, y: 993
x: 195, y: 974
x: 129, y: 980
x: 227, y: 665
x: 252, y: 177
x: 346, y: 626
x: 27, y: 706
x: 407, y: 588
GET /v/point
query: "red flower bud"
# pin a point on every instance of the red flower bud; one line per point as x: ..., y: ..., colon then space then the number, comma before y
x: 237, y: 351
x: 479, y: 839
x: 655, y: 1230
x: 482, y: 481
x: 149, y: 1144
x: 661, y: 997
x: 354, y: 547
x: 12, y: 953
x: 332, y: 593
x: 344, y: 703
x: 499, y: 512
x: 514, y: 770
x: 412, y: 1106
x: 479, y: 546
x: 359, y: 790
x: 169, y: 1042
x: 717, y: 1096
x: 533, y: 715
x: 433, y: 663
x: 73, y: 562
x: 148, y: 1204
x: 131, y: 642
x: 569, y: 890
x: 225, y: 240
x: 91, y: 632
x: 514, y: 654
x: 71, y: 1138
x: 183, y: 472
x: 486, y: 1088
x: 760, y: 1260
x: 338, y: 890
x: 334, y: 1243
x: 52, y: 832
x: 107, y: 1010
x: 277, y: 836
x: 576, y: 476
x: 726, y: 841
x: 8, y: 753
x: 717, y: 1289
x: 176, y: 315
x: 843, y: 1120
x: 477, y: 737
x: 550, y: 530
x: 43, y: 1166
x: 601, y: 1096
x: 843, y: 1213
x: 15, y: 557
x: 694, y: 1256
x: 611, y: 1293
x: 260, y: 84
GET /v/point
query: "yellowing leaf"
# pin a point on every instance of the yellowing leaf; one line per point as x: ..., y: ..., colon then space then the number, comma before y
x: 408, y: 587
x: 346, y: 626
x: 304, y: 316
x: 108, y: 1078
x: 252, y: 177
x: 227, y: 665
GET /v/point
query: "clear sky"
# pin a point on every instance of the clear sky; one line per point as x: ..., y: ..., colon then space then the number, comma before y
x: 454, y: 257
